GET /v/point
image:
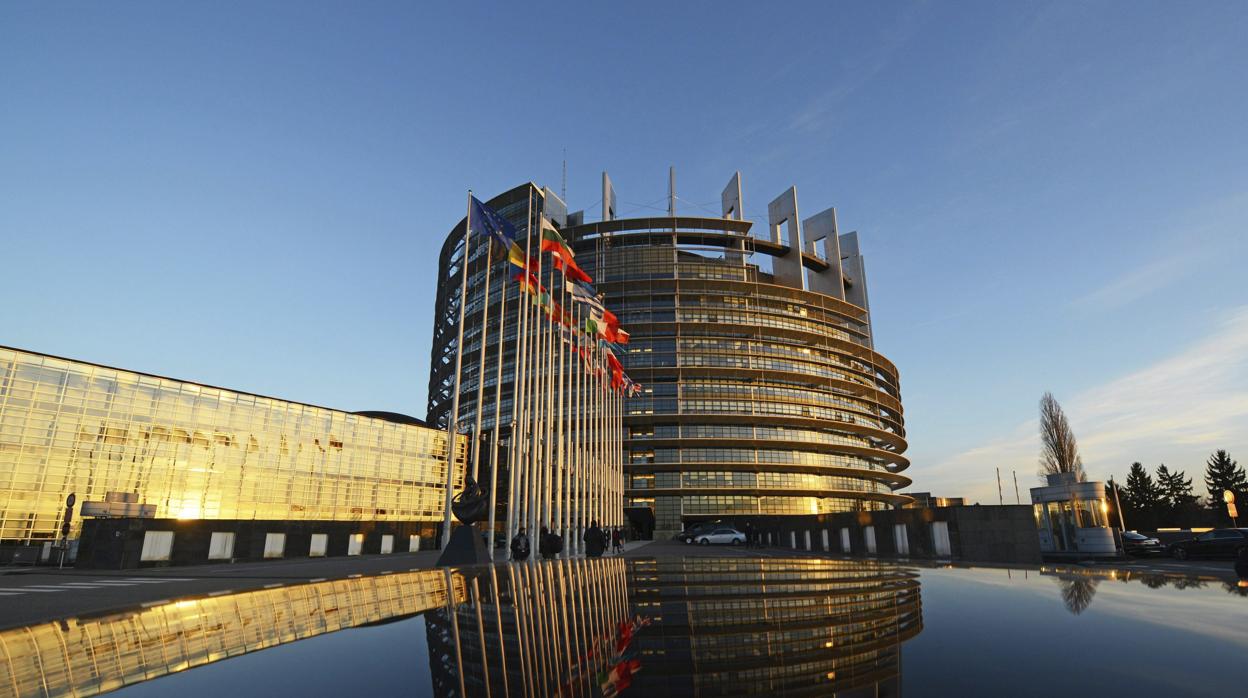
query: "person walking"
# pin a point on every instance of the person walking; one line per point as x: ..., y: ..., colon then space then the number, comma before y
x: 617, y: 541
x: 520, y: 546
x: 549, y: 545
x: 595, y: 540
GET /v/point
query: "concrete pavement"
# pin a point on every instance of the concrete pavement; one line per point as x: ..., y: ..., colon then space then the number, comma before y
x: 40, y: 594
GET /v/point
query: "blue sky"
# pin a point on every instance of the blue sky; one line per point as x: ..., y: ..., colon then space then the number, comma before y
x: 1050, y: 196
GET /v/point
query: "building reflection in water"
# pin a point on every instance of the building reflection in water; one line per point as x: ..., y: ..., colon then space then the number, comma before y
x: 719, y: 626
x: 748, y: 626
x: 89, y: 656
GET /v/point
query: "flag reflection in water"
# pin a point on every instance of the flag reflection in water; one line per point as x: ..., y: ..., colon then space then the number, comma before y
x: 559, y: 627
x: 677, y: 627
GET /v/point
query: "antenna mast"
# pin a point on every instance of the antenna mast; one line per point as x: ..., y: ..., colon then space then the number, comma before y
x: 563, y: 190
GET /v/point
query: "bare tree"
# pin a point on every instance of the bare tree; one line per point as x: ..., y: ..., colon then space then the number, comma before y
x: 1059, y: 453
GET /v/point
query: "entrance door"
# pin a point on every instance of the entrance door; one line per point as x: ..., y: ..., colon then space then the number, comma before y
x: 940, y: 539
x: 901, y: 539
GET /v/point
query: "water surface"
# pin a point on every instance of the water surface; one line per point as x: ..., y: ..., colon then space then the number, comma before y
x: 661, y: 627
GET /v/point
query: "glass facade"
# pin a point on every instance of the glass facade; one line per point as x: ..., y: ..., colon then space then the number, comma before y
x: 199, y: 452
x: 760, y: 398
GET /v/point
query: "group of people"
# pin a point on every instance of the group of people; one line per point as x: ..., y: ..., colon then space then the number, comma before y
x: 549, y: 545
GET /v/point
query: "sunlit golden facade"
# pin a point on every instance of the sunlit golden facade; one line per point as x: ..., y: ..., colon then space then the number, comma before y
x: 90, y: 656
x: 768, y: 626
x: 199, y: 452
x: 761, y: 397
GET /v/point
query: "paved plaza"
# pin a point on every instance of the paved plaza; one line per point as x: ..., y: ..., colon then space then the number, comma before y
x: 37, y: 594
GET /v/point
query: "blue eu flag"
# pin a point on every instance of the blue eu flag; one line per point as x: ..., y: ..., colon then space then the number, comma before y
x: 487, y: 220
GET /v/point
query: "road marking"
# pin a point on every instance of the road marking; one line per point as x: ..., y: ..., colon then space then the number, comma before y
x: 42, y: 591
x: 387, y: 571
x: 354, y: 576
x: 318, y: 579
x: 80, y: 585
x: 222, y: 593
x: 149, y: 604
x: 272, y: 586
x: 10, y: 593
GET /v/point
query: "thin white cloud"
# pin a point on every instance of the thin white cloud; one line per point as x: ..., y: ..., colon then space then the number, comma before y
x: 1176, y: 410
x: 1141, y: 281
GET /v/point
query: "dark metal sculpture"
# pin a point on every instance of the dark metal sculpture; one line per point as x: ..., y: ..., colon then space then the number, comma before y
x: 472, y: 504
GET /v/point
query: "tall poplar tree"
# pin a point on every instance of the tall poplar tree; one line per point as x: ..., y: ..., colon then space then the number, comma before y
x: 1059, y: 452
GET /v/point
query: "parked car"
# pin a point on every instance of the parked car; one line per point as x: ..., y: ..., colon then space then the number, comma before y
x: 1139, y: 544
x: 720, y: 536
x: 1220, y: 542
x: 686, y: 536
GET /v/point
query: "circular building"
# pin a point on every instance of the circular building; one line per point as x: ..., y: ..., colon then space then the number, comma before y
x: 763, y: 393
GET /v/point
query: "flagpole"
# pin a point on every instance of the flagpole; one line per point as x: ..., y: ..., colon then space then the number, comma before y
x: 453, y: 418
x: 485, y: 334
x: 539, y: 405
x: 520, y: 418
x: 600, y: 440
x: 517, y: 374
x: 530, y: 362
x: 498, y: 399
x: 548, y: 397
x: 558, y: 463
x: 578, y: 526
x: 535, y: 473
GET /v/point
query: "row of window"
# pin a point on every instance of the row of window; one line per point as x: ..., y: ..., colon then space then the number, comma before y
x: 744, y: 431
x: 641, y: 406
x: 197, y: 452
x: 750, y: 455
x: 747, y: 480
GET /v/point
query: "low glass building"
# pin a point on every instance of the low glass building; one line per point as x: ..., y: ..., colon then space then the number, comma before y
x: 182, y: 450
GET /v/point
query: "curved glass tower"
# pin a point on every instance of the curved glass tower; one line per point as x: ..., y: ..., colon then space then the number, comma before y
x: 763, y: 392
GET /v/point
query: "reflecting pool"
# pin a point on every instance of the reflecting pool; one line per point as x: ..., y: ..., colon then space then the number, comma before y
x: 660, y: 627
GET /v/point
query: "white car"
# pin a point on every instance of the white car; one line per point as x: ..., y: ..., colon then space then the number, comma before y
x: 720, y: 536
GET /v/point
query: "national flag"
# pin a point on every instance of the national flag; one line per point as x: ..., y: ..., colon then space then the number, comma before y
x: 607, y: 328
x: 529, y: 283
x: 580, y: 294
x: 617, y: 369
x: 570, y: 270
x: 515, y: 255
x: 554, y: 243
x: 581, y: 290
x: 621, y: 336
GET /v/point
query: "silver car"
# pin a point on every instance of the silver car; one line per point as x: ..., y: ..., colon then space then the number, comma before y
x: 720, y: 536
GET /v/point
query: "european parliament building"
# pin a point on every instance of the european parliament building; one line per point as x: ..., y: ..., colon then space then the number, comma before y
x: 193, y: 462
x: 763, y: 391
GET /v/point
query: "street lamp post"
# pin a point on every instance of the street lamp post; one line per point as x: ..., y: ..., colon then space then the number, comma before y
x: 1229, y: 497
